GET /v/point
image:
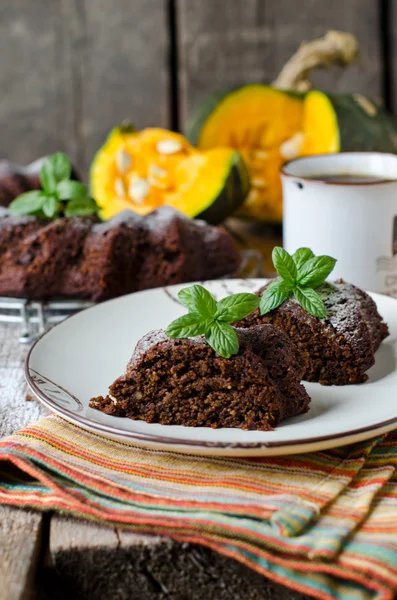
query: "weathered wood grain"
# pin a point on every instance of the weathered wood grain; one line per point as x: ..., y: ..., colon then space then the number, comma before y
x: 118, y: 56
x: 390, y: 30
x: 93, y: 562
x: 20, y: 539
x: 15, y: 410
x: 241, y: 41
x: 71, y: 70
x: 36, y: 103
x: 20, y: 531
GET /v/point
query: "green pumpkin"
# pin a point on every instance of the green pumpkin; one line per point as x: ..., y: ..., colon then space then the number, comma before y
x: 142, y: 170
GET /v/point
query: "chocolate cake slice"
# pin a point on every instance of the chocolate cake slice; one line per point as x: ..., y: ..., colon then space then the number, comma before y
x: 81, y: 257
x: 338, y: 349
x: 184, y: 382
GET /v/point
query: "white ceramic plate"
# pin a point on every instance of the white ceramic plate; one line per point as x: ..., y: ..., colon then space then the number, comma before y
x: 79, y: 358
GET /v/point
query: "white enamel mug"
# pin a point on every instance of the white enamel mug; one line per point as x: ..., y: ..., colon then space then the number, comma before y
x: 356, y: 223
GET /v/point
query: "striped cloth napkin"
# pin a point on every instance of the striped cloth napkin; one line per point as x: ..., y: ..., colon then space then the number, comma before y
x: 324, y: 524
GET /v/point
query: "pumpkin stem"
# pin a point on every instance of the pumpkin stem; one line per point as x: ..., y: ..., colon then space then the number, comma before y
x: 335, y: 48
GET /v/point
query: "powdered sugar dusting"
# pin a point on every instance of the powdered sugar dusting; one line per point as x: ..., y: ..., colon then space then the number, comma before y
x: 127, y: 217
x: 159, y: 220
x: 342, y: 302
x: 9, y: 220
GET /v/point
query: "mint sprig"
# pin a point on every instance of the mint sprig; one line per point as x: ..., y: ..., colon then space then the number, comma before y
x: 60, y: 195
x: 212, y: 319
x: 299, y: 275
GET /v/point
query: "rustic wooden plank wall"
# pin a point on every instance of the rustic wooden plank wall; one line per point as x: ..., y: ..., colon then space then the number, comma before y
x: 72, y: 69
x: 242, y: 41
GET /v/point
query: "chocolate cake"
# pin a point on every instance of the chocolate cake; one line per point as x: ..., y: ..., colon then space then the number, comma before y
x: 339, y: 349
x: 184, y: 382
x: 83, y: 258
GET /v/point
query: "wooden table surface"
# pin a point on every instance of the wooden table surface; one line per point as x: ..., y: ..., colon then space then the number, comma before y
x: 49, y: 556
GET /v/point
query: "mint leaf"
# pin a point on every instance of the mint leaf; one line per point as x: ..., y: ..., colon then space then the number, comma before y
x: 284, y: 264
x: 81, y: 208
x: 185, y: 297
x: 310, y: 301
x: 211, y: 318
x: 274, y: 295
x: 223, y: 339
x: 188, y: 326
x: 236, y: 307
x: 71, y: 190
x: 47, y: 179
x: 301, y: 256
x: 61, y: 166
x: 56, y: 168
x: 50, y: 207
x: 315, y: 271
x: 59, y: 194
x: 202, y: 301
x: 28, y: 203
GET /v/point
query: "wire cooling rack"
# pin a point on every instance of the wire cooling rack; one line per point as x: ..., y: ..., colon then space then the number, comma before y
x: 35, y: 317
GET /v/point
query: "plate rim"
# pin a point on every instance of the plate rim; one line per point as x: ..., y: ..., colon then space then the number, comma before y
x: 174, y: 441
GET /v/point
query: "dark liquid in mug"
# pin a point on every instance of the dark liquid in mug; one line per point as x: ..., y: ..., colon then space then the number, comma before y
x: 350, y: 178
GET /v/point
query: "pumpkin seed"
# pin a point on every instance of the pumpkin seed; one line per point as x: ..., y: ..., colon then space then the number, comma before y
x: 119, y: 187
x: 292, y: 147
x: 259, y: 182
x: 168, y: 146
x: 261, y: 154
x: 157, y: 171
x: 157, y: 177
x: 123, y: 160
x: 138, y: 189
x: 252, y: 197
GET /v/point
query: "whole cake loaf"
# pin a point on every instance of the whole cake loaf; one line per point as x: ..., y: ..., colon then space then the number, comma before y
x: 185, y: 382
x: 83, y: 258
x: 339, y: 348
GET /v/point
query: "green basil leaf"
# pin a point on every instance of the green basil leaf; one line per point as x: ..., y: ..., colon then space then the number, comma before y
x: 202, y: 301
x: 81, y: 208
x: 50, y: 207
x: 315, y: 271
x: 274, y: 295
x: 188, y: 326
x: 284, y: 264
x: 222, y: 338
x: 301, y: 256
x: 185, y: 297
x: 236, y: 307
x: 71, y: 190
x: 310, y: 301
x: 28, y: 203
